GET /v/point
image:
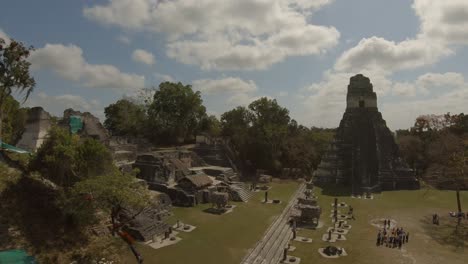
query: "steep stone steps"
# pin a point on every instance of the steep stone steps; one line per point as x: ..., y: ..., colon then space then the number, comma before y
x: 269, y: 248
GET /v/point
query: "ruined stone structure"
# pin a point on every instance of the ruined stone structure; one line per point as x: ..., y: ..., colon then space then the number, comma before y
x: 364, y: 154
x: 92, y: 127
x: 37, y: 127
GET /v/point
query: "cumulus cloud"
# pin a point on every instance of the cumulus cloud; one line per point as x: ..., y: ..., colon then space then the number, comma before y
x: 68, y: 62
x: 123, y: 39
x: 443, y: 25
x: 379, y: 53
x: 4, y: 36
x: 164, y: 77
x: 429, y: 82
x: 402, y: 113
x: 143, y: 56
x: 445, y: 21
x: 56, y: 104
x: 235, y: 34
x: 226, y: 85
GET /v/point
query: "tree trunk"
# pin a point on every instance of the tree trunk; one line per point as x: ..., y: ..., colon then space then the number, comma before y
x: 1, y: 124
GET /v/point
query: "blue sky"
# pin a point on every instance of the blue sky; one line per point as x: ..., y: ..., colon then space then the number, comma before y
x: 301, y: 52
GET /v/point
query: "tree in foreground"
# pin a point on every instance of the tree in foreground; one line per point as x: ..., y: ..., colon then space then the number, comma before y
x: 65, y: 158
x: 14, y: 73
x: 109, y: 193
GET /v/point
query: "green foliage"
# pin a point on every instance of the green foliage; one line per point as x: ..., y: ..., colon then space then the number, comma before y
x: 265, y: 135
x: 8, y: 176
x: 64, y: 158
x: 14, y: 76
x: 109, y: 193
x: 175, y: 113
x: 14, y: 120
x: 433, y: 140
x: 211, y: 125
x: 125, y: 118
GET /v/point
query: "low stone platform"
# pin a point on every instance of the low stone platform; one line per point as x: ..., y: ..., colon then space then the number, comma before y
x: 363, y: 197
x: 291, y: 259
x: 321, y: 252
x: 160, y: 242
x: 340, y: 204
x: 338, y: 230
x: 218, y: 212
x: 334, y: 238
x: 303, y: 239
x: 343, y: 226
x: 184, y: 227
x: 270, y: 201
x: 340, y: 216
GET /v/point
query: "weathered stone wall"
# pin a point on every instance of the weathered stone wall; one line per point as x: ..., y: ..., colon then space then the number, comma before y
x: 37, y: 127
x: 92, y: 127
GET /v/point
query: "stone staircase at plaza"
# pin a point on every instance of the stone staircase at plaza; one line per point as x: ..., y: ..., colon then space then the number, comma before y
x: 270, y: 248
x: 213, y: 155
x: 242, y: 191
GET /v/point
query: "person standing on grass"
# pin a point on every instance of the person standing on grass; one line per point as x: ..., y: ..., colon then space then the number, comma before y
x: 379, y: 237
x: 407, y: 237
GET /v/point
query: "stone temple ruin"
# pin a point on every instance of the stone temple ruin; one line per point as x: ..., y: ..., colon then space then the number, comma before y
x: 187, y: 178
x: 364, y: 155
x: 38, y: 124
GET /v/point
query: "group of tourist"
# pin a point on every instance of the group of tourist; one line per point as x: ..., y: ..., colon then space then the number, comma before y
x: 392, y: 238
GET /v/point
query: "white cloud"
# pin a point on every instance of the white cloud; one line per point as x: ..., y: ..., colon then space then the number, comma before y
x: 143, y: 56
x: 443, y: 25
x: 428, y: 82
x: 68, y: 62
x: 234, y: 34
x: 164, y: 77
x: 388, y: 56
x: 56, y: 104
x: 445, y: 21
x: 5, y: 37
x: 226, y: 85
x: 402, y: 113
x: 124, y: 39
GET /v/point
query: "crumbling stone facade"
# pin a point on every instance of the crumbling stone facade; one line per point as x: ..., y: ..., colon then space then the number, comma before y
x: 364, y: 154
x: 37, y: 127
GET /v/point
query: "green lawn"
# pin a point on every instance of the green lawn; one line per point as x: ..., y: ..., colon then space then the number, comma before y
x: 226, y: 238
x: 412, y: 209
x: 220, y: 239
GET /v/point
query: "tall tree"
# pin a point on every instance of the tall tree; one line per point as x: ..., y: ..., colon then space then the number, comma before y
x: 270, y: 124
x: 125, y: 118
x: 14, y: 73
x: 176, y: 112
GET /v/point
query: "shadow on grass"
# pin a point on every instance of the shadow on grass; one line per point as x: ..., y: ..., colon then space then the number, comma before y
x: 446, y: 233
x: 335, y: 190
x: 30, y: 206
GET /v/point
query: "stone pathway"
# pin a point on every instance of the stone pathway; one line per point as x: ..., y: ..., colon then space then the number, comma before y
x: 270, y: 248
